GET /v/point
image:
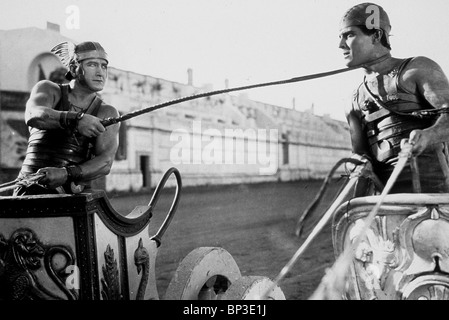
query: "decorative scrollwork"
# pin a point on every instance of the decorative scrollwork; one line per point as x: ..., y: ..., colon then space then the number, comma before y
x: 374, y: 258
x: 20, y: 257
x: 404, y: 254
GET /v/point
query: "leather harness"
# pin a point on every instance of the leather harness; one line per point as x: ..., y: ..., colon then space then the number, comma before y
x: 389, y: 115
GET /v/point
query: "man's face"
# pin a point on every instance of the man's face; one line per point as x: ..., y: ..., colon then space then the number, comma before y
x: 357, y: 47
x: 95, y: 73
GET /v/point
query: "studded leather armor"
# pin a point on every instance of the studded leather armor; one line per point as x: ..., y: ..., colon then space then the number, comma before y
x: 386, y: 127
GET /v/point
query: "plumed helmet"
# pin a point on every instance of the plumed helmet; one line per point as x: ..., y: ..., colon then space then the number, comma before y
x: 369, y: 15
x: 71, y: 54
x: 90, y: 49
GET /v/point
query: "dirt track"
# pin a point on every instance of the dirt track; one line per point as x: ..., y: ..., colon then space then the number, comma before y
x: 254, y: 223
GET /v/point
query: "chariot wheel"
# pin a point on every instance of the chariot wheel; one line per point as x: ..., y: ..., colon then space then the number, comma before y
x: 252, y: 288
x: 205, y: 273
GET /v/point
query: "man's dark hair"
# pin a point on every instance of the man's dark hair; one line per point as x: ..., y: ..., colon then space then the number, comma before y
x: 369, y: 32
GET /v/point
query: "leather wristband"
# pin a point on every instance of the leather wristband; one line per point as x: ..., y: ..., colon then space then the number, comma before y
x: 74, y: 173
x: 69, y: 119
x: 63, y: 119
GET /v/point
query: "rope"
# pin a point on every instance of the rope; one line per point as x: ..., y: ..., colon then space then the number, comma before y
x: 27, y: 181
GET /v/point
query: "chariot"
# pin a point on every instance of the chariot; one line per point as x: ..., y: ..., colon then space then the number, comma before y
x: 77, y: 247
x: 387, y: 246
x: 404, y: 254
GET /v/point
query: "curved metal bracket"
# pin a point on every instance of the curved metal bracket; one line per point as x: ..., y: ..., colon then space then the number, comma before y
x: 157, y: 193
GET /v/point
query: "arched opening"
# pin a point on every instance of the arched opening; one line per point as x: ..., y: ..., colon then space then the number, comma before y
x: 42, y: 67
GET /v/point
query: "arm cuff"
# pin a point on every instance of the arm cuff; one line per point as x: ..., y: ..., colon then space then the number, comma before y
x: 74, y: 173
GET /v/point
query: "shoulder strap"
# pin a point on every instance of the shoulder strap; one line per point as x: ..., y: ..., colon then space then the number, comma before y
x: 95, y: 106
x: 428, y: 113
x: 404, y: 64
x: 382, y: 105
x: 400, y: 69
x: 63, y: 104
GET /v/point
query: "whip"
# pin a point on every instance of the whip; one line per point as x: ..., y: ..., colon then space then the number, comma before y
x: 109, y: 121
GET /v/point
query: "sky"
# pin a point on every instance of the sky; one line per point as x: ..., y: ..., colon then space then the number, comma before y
x: 241, y: 42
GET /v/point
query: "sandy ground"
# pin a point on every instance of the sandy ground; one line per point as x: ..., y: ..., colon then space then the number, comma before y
x: 254, y: 223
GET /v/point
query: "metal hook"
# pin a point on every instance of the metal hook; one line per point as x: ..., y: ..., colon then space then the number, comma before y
x: 154, y: 199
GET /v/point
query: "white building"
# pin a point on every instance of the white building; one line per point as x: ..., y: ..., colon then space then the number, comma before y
x: 219, y: 139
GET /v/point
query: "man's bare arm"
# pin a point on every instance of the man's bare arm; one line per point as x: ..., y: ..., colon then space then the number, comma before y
x: 358, y: 138
x: 39, y: 111
x: 106, y: 145
x: 426, y: 78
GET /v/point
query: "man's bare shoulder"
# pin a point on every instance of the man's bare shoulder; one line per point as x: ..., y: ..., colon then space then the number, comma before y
x: 107, y: 110
x: 422, y: 64
x: 46, y: 86
x: 421, y: 70
x: 46, y: 92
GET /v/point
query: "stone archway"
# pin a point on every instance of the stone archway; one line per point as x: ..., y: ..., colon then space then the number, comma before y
x: 42, y: 67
